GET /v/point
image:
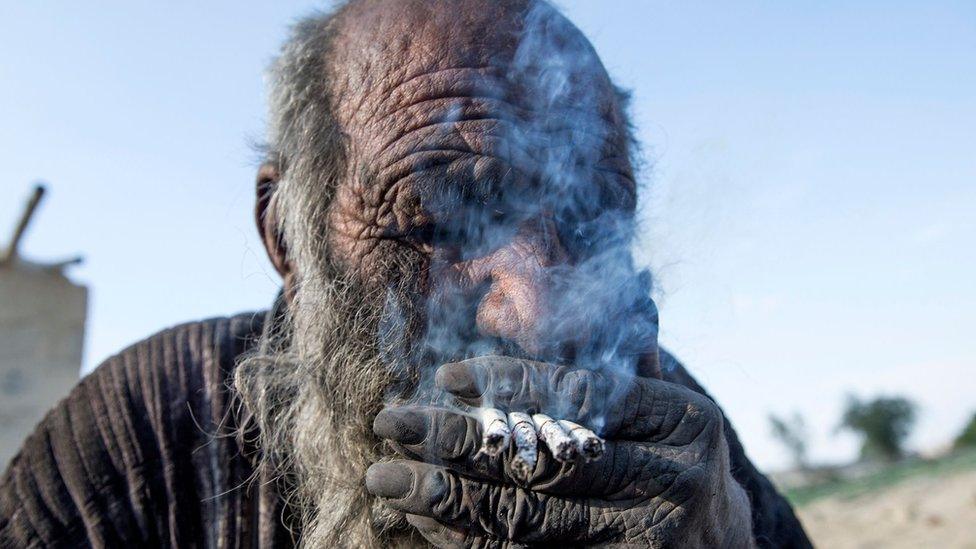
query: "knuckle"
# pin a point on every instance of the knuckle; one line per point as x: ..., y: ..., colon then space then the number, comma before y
x: 691, y: 417
x: 506, y: 381
x: 524, y: 381
x: 574, y: 389
x: 690, y: 482
x: 455, y: 437
x: 573, y: 383
x: 436, y: 533
x: 440, y: 493
x: 704, y: 410
x: 713, y: 421
x: 495, y: 509
x: 522, y: 513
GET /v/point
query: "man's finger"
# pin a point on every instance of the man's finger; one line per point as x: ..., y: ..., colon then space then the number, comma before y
x: 442, y: 437
x: 496, y: 381
x: 441, y: 536
x: 432, y: 434
x: 524, y: 385
x: 614, y: 405
x: 446, y: 537
x: 496, y: 511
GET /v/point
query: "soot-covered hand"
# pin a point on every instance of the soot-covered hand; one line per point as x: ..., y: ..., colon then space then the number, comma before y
x: 663, y: 479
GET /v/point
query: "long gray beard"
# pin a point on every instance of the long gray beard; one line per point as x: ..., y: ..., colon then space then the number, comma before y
x: 312, y: 401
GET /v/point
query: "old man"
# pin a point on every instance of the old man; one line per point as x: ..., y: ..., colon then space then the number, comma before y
x: 449, y: 197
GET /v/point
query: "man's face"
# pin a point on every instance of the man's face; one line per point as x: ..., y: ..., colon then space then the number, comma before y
x: 484, y: 206
x: 488, y: 179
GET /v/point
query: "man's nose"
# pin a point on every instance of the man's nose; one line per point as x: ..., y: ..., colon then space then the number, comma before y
x: 519, y: 278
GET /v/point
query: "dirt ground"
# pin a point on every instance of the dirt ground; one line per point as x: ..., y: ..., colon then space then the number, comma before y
x: 924, y: 511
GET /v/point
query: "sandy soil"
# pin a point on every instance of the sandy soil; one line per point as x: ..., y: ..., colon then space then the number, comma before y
x: 918, y: 512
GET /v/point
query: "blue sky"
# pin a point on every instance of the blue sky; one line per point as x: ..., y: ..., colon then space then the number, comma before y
x: 810, y: 183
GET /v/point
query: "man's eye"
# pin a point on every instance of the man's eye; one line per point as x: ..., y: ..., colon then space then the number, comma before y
x: 471, y: 231
x: 582, y: 237
x: 425, y: 234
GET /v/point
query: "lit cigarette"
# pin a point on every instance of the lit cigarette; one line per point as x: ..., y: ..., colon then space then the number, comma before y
x: 590, y: 445
x: 523, y: 433
x: 560, y: 444
x: 495, y: 432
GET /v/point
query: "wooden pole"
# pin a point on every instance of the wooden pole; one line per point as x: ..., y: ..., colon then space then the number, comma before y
x: 22, y: 224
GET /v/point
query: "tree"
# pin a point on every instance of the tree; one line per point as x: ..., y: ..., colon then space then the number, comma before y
x: 791, y: 433
x: 967, y: 438
x: 883, y: 423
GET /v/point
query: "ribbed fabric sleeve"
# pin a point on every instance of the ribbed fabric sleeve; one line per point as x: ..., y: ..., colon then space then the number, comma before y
x: 142, y: 453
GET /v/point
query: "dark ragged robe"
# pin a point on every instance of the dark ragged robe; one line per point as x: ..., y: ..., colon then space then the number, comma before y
x: 143, y: 454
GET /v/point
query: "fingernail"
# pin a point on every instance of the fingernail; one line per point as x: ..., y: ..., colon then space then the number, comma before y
x: 389, y: 480
x: 458, y: 378
x: 400, y: 425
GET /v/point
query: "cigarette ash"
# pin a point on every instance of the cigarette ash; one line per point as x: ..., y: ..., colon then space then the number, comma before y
x: 561, y: 445
x: 564, y: 439
x: 526, y: 445
x: 496, y: 431
x: 590, y: 445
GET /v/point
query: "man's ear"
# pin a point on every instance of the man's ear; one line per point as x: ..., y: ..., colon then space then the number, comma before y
x: 267, y: 220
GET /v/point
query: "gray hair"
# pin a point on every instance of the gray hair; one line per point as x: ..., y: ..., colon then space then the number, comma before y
x: 312, y: 427
x: 304, y: 138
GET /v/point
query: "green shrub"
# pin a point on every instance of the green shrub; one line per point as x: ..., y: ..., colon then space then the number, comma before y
x: 883, y: 423
x: 967, y: 438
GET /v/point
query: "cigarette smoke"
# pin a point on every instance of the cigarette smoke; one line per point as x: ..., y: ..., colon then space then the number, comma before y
x: 571, y: 189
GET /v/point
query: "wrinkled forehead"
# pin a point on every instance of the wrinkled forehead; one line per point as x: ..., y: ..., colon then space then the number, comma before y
x: 392, y: 40
x: 494, y: 93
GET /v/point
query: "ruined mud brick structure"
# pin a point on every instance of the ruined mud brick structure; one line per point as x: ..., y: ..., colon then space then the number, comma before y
x: 42, y: 327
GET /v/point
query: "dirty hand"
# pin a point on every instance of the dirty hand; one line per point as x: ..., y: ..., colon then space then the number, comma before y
x: 664, y: 479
